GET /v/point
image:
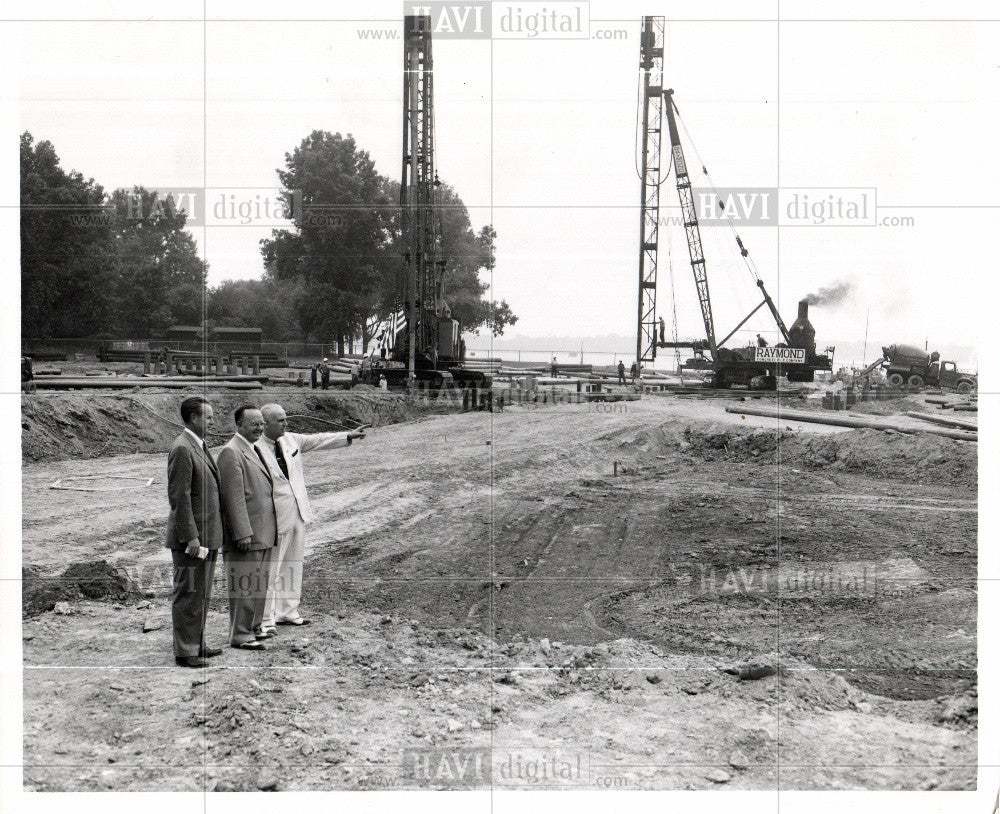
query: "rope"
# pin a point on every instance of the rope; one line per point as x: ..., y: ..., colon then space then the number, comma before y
x: 748, y: 261
x: 358, y: 424
x: 171, y: 422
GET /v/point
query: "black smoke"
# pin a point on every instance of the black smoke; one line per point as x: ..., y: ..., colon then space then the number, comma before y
x: 833, y: 294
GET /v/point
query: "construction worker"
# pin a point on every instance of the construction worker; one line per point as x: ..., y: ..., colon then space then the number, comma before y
x: 324, y: 373
x: 663, y: 331
x: 313, y: 377
x: 634, y: 370
x: 27, y: 374
x: 621, y: 372
x: 761, y: 341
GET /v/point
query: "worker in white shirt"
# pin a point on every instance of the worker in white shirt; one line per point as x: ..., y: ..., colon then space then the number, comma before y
x: 282, y: 451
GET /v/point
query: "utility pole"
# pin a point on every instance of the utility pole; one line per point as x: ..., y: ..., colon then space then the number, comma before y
x: 864, y: 350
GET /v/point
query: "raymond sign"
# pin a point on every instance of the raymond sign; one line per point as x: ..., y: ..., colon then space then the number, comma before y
x: 783, y: 356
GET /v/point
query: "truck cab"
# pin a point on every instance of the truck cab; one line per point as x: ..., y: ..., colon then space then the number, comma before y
x: 950, y: 376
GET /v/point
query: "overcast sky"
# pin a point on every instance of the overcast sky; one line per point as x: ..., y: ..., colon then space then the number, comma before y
x: 538, y: 138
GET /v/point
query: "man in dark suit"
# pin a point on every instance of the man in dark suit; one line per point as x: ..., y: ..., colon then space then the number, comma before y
x: 194, y: 531
x: 251, y: 529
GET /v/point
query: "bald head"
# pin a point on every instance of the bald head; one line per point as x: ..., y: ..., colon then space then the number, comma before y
x: 275, y: 421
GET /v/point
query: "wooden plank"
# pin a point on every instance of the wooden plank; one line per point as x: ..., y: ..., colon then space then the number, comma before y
x: 948, y: 421
x: 846, y: 421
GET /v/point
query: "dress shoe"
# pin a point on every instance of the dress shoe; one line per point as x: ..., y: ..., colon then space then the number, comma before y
x: 267, y: 633
x: 250, y: 646
x: 191, y: 661
x: 210, y: 652
x: 298, y: 621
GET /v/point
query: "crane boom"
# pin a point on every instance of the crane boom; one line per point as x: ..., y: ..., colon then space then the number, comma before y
x: 691, y: 229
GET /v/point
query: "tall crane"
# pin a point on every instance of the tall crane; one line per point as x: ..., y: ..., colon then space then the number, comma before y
x: 651, y: 65
x: 429, y: 348
x: 755, y: 366
x: 423, y: 264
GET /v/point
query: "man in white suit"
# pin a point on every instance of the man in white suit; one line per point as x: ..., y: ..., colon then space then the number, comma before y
x: 282, y: 451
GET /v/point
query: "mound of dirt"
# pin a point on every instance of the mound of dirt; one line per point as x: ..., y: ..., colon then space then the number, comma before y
x: 81, y: 580
x: 919, y: 458
x: 60, y: 425
x: 925, y: 459
x: 890, y: 407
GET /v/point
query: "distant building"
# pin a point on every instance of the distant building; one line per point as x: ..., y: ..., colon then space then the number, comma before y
x: 245, y: 340
x: 184, y: 333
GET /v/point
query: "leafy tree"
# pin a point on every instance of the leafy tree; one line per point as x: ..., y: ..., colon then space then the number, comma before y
x: 92, y: 264
x: 465, y: 254
x: 155, y: 277
x: 337, y: 250
x: 346, y: 248
x: 64, y: 237
x: 267, y: 304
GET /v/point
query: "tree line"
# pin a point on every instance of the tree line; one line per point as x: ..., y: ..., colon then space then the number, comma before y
x: 122, y: 264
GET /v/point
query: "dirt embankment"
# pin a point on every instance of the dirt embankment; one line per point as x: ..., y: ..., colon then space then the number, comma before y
x: 916, y: 458
x: 57, y: 426
x: 492, y: 581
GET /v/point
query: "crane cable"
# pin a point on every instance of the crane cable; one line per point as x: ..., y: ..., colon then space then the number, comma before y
x: 748, y: 261
x: 673, y: 300
x: 744, y: 253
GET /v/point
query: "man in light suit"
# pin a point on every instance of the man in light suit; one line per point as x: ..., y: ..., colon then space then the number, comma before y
x: 283, y: 450
x: 251, y: 529
x: 194, y: 531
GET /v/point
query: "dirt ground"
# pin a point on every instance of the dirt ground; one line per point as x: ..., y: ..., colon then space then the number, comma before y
x: 651, y: 594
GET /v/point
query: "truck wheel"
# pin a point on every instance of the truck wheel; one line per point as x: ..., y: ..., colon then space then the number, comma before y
x: 896, y: 379
x: 964, y: 388
x: 915, y: 382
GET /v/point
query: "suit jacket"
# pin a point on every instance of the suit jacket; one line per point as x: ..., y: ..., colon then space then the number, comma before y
x: 193, y: 492
x: 293, y: 445
x: 247, y: 496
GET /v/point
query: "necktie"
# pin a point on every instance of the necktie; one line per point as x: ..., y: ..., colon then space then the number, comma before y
x: 281, y: 459
x: 211, y: 460
x: 262, y: 461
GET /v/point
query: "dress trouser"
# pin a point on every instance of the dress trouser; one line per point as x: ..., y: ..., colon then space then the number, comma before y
x: 189, y: 601
x: 285, y: 578
x: 246, y: 586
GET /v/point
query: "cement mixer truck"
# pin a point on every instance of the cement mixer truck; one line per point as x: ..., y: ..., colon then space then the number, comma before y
x: 909, y: 365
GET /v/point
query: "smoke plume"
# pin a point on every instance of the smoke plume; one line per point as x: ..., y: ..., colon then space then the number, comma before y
x: 833, y: 294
